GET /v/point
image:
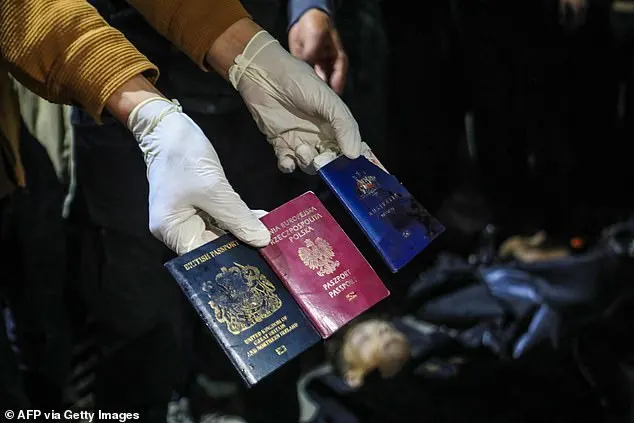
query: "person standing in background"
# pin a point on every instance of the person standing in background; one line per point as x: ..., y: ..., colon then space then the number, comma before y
x: 362, y: 31
x: 33, y: 259
x: 426, y: 115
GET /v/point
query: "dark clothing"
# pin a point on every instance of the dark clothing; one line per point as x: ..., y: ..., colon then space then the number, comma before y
x: 514, y: 64
x: 622, y: 31
x: 425, y: 117
x: 253, y: 175
x: 271, y: 400
x: 137, y: 310
x: 33, y: 254
x: 538, y: 100
x: 12, y: 395
x: 360, y: 25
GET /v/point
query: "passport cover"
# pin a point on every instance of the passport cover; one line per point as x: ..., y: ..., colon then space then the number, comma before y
x: 245, y: 305
x: 326, y: 274
x: 397, y: 224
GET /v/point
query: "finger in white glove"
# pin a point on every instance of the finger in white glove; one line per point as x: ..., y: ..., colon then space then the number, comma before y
x: 324, y: 158
x: 218, y: 228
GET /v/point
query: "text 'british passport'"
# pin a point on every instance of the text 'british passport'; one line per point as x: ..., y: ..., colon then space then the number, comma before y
x: 245, y: 305
x: 398, y: 225
x: 321, y: 267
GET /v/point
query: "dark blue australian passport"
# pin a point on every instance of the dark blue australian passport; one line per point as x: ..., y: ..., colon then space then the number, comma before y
x: 245, y: 305
x: 398, y: 225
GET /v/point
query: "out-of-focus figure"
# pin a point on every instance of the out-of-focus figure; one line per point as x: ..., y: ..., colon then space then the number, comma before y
x: 362, y: 30
x: 33, y: 259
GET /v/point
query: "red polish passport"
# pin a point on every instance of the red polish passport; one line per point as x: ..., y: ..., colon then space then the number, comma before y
x: 321, y: 267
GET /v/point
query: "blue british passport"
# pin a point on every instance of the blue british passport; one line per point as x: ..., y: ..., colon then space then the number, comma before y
x: 398, y: 225
x: 244, y: 304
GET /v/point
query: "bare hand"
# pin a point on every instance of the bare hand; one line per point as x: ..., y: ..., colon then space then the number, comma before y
x: 315, y: 40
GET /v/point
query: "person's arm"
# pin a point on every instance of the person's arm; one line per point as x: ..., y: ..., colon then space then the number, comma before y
x: 313, y: 38
x: 211, y: 32
x: 66, y: 53
x: 221, y: 54
x: 129, y: 95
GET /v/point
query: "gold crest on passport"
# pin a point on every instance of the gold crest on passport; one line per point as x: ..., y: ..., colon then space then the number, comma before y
x: 245, y: 306
x: 243, y: 297
x: 318, y: 254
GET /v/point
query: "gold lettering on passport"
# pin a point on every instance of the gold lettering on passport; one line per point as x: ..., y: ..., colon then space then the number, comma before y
x: 296, y: 227
x: 241, y: 297
x: 318, y: 255
x: 379, y: 208
x: 339, y: 284
x: 264, y: 338
x: 209, y: 255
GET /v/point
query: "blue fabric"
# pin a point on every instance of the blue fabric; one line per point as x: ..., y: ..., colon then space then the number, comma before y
x: 296, y: 8
x: 510, y: 308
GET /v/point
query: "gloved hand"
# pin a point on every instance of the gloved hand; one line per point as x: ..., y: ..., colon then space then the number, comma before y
x: 187, y: 182
x: 299, y: 114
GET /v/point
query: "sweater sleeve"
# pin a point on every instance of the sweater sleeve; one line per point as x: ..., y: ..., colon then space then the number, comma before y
x: 65, y: 52
x: 191, y: 25
x: 296, y: 8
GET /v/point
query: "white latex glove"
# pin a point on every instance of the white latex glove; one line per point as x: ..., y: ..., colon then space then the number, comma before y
x: 187, y: 182
x: 299, y: 114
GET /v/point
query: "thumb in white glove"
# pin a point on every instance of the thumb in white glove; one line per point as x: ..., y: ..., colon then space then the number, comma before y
x: 325, y: 158
x: 187, y: 181
x: 299, y: 114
